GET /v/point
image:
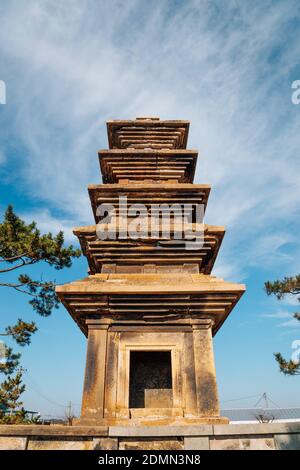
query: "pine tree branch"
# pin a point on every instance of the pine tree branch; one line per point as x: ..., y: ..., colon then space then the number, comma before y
x: 13, y: 258
x: 20, y: 265
x: 280, y: 288
x: 17, y: 287
x: 287, y: 367
x: 21, y: 245
x: 21, y: 332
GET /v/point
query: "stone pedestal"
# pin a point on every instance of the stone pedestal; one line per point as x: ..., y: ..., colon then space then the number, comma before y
x: 190, y: 394
x: 254, y: 436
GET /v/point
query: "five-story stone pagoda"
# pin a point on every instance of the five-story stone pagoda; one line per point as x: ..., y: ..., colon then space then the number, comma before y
x: 149, y: 307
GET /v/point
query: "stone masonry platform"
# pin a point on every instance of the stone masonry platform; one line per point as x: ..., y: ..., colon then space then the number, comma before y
x: 272, y: 436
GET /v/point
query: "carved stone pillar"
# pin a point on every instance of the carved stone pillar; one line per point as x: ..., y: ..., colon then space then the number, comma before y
x: 206, y: 384
x: 94, y: 381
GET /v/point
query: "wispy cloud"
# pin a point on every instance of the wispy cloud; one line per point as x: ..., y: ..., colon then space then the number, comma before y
x: 278, y: 315
x: 225, y: 66
x: 289, y: 323
x: 48, y: 223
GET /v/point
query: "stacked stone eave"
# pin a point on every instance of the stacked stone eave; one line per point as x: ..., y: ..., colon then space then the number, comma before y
x: 147, y: 145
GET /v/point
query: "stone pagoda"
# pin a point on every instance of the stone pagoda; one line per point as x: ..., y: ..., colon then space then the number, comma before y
x: 149, y: 307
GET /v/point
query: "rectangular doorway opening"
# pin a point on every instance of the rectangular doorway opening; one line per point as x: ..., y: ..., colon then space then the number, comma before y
x: 150, y: 381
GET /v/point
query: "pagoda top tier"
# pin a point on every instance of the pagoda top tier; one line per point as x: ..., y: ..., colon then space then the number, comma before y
x: 147, y: 133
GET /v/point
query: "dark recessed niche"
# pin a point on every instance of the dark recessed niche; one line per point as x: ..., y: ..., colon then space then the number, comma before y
x: 149, y: 370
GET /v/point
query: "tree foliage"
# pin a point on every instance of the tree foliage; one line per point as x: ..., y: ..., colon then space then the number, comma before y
x: 21, y: 332
x: 287, y: 367
x: 10, y: 362
x: 22, y: 245
x: 288, y: 285
x: 281, y: 288
x: 11, y: 390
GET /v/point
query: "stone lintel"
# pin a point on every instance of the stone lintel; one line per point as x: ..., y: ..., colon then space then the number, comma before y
x: 153, y: 327
x: 187, y: 326
x: 98, y: 324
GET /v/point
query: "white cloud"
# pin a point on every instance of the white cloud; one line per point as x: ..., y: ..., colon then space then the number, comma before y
x: 280, y: 314
x: 47, y: 223
x: 292, y: 300
x: 291, y: 323
x: 229, y: 270
x: 73, y: 65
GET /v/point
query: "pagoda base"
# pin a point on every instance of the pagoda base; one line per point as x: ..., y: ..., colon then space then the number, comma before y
x: 152, y: 421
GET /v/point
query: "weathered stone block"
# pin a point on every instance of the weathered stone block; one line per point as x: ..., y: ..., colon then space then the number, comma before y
x: 256, y: 428
x: 287, y: 441
x: 12, y: 443
x: 245, y: 443
x: 196, y: 443
x: 158, y: 398
x: 16, y: 430
x: 60, y: 444
x: 165, y: 431
x: 151, y: 444
x: 105, y: 443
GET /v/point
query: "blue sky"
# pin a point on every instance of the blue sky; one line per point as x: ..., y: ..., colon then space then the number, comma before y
x: 225, y: 66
